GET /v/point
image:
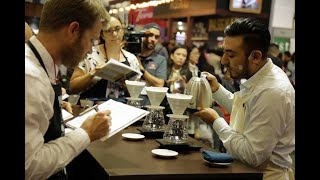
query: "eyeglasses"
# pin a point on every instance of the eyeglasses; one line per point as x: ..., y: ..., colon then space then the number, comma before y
x: 116, y: 29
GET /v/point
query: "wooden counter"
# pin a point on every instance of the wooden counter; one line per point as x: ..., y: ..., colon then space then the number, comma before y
x: 128, y: 160
x: 125, y: 159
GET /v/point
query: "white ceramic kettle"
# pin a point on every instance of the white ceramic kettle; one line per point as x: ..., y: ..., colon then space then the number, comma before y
x: 200, y: 90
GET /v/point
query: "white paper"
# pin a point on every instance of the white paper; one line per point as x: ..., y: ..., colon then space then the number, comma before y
x: 122, y: 115
x: 66, y: 115
x: 113, y: 70
x: 65, y: 96
x: 77, y: 122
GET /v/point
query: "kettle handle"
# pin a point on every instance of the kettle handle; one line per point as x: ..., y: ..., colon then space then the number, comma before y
x: 203, y: 75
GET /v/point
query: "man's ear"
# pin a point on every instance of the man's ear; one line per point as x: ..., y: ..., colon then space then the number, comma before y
x: 255, y: 56
x: 74, y: 29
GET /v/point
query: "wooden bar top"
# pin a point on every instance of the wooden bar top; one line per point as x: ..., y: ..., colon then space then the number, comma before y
x: 127, y: 159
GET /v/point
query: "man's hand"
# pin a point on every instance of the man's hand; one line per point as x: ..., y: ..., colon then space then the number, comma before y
x: 67, y: 106
x: 209, y: 115
x: 97, y: 125
x: 213, y: 81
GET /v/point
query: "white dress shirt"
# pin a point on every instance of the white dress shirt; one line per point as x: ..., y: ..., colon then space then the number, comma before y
x: 45, y: 159
x: 269, y: 125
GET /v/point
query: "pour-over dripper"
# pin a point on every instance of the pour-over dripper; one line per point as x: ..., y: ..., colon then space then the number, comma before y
x: 176, y: 130
x: 134, y: 88
x: 156, y: 94
x: 178, y: 102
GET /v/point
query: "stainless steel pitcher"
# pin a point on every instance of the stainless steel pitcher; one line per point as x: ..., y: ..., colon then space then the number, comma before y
x: 200, y: 90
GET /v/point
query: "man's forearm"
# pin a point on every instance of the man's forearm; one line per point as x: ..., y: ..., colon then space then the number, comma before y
x: 152, y: 80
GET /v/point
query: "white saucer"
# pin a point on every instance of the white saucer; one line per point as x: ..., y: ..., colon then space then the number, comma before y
x: 215, y: 163
x: 164, y: 152
x: 132, y: 136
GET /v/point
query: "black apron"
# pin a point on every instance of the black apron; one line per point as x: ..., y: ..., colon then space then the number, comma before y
x: 84, y: 166
x: 99, y: 89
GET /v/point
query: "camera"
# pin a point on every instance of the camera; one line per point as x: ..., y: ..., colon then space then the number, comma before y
x: 133, y: 40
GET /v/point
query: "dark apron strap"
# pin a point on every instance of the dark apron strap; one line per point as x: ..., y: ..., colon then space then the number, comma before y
x: 34, y: 50
x: 84, y: 166
x: 56, y: 128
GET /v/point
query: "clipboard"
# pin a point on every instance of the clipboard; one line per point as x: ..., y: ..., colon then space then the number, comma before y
x: 122, y: 115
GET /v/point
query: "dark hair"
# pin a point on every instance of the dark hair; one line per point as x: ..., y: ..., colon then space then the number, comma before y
x: 190, y: 48
x: 274, y: 45
x: 255, y: 34
x: 185, y: 67
x: 101, y: 40
x: 287, y: 53
x: 293, y: 57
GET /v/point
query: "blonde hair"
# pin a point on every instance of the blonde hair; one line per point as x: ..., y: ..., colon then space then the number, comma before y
x: 58, y: 13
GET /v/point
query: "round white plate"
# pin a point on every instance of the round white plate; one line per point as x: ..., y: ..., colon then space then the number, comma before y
x: 133, y: 136
x: 215, y: 163
x: 164, y: 152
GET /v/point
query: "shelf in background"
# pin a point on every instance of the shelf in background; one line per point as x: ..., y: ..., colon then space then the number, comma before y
x: 199, y: 38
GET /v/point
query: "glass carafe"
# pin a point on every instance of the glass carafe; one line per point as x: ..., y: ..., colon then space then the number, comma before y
x: 135, y: 102
x: 177, y: 129
x: 154, y: 121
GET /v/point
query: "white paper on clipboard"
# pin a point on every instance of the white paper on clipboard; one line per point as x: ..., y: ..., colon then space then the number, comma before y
x: 122, y: 115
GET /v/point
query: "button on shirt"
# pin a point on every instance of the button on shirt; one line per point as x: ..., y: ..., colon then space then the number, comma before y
x: 269, y: 126
x: 45, y: 159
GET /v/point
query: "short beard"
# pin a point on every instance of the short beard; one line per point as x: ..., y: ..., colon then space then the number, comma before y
x: 72, y: 55
x: 146, y: 45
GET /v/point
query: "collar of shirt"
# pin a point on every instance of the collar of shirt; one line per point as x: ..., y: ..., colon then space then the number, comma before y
x: 193, y: 66
x: 150, y: 57
x: 253, y: 80
x: 46, y: 58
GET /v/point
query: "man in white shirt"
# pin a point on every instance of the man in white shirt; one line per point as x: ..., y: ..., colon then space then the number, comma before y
x: 262, y: 125
x: 65, y: 37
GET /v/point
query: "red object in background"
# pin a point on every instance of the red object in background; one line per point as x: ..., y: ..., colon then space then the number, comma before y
x: 143, y: 16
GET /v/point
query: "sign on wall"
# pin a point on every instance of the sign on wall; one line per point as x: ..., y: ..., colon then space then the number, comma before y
x: 219, y: 24
x: 181, y: 4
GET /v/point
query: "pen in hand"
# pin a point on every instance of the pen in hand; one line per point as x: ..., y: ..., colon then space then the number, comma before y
x: 95, y: 107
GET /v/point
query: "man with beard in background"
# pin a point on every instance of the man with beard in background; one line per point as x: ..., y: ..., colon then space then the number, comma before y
x: 152, y: 65
x: 65, y: 37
